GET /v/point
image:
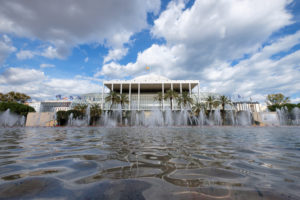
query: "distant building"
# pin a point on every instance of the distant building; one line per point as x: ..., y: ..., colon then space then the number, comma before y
x: 55, y: 105
x: 36, y: 105
x: 142, y: 91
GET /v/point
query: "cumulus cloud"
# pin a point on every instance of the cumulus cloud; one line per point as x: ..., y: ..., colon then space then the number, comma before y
x: 6, y: 48
x: 36, y: 84
x: 68, y: 23
x: 17, y: 76
x: 115, y: 54
x: 25, y: 54
x: 45, y: 65
x: 52, y: 52
x: 202, y: 41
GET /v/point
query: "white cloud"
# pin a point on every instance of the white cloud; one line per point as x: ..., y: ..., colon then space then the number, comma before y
x: 6, y: 48
x: 45, y: 65
x: 36, y: 84
x: 51, y: 52
x: 86, y: 59
x: 16, y: 76
x: 115, y: 54
x: 202, y: 41
x: 25, y: 54
x: 65, y: 24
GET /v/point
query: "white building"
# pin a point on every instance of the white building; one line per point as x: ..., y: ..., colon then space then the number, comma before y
x: 142, y: 91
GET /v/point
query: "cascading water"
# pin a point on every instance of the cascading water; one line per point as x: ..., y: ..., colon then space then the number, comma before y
x: 296, y: 116
x: 154, y: 118
x: 8, y: 119
x: 283, y: 116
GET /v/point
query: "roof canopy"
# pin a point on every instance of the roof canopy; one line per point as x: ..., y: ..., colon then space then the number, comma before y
x: 150, y: 83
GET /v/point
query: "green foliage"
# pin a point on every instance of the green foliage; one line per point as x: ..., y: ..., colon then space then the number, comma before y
x: 17, y: 108
x: 113, y: 97
x: 212, y: 102
x: 95, y: 113
x: 197, y: 107
x: 159, y: 98
x: 289, y: 106
x: 123, y: 99
x: 171, y: 94
x: 81, y: 108
x: 62, y: 117
x: 185, y: 99
x: 14, y: 97
x: 224, y: 100
x: 277, y: 99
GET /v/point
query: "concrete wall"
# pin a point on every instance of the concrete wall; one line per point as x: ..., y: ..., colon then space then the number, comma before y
x: 266, y: 118
x: 40, y: 119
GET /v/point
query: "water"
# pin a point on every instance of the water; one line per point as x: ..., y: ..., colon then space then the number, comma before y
x: 150, y: 163
x: 9, y: 119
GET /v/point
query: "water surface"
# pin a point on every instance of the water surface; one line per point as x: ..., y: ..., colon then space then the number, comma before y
x: 150, y: 163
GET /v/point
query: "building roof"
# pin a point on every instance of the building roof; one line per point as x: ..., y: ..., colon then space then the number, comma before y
x: 150, y: 78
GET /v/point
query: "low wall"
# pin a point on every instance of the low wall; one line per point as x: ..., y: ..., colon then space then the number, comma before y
x: 40, y: 119
x: 266, y: 118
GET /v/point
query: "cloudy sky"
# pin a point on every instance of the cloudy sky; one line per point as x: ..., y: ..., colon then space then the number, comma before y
x: 67, y: 47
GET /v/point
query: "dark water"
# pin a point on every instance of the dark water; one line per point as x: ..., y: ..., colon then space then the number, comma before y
x: 150, y: 163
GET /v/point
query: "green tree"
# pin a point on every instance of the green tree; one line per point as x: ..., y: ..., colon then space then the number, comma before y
x: 197, y: 107
x: 184, y: 99
x: 277, y: 99
x: 171, y: 94
x: 224, y: 100
x: 95, y: 113
x: 113, y: 97
x: 159, y: 98
x: 123, y: 100
x: 81, y: 108
x: 14, y: 97
x: 2, y: 97
x: 211, y: 102
x: 17, y: 108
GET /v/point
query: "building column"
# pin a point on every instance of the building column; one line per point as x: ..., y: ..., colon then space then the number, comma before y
x: 121, y: 87
x: 112, y: 89
x: 129, y: 98
x: 139, y: 87
x: 103, y: 96
x: 172, y: 98
x: 163, y: 94
x: 181, y: 94
x: 198, y: 91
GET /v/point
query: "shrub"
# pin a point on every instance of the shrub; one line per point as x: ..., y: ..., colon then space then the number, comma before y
x: 289, y: 106
x: 17, y: 108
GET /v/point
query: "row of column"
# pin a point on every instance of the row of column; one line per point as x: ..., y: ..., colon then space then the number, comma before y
x: 139, y: 88
x: 247, y: 106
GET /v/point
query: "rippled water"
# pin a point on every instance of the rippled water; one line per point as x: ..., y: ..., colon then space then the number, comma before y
x: 150, y: 163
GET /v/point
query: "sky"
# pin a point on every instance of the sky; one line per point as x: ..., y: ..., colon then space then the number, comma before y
x: 249, y: 48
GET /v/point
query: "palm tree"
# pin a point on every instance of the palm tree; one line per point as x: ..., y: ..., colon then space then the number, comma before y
x: 112, y: 97
x: 123, y: 100
x: 184, y: 99
x: 2, y: 97
x: 223, y: 101
x: 197, y: 107
x: 171, y: 94
x: 95, y: 112
x: 81, y: 108
x: 159, y: 98
x: 211, y: 102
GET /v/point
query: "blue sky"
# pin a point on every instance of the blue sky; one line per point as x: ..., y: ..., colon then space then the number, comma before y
x: 248, y: 47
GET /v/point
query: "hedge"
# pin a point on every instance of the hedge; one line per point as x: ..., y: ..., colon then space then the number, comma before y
x: 17, y: 108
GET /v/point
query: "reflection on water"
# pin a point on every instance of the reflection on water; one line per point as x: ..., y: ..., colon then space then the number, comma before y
x: 150, y: 163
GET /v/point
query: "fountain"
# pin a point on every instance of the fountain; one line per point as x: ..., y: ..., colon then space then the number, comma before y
x: 9, y: 119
